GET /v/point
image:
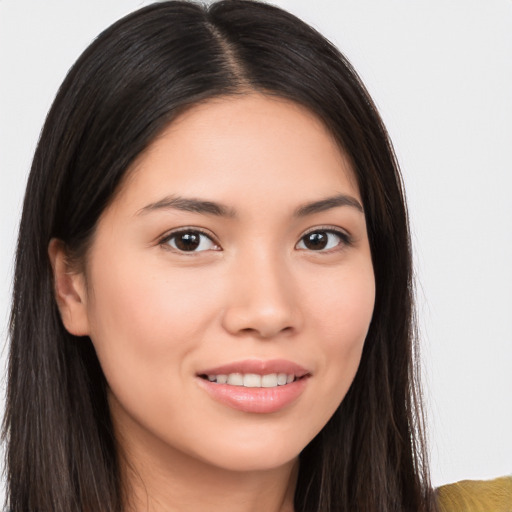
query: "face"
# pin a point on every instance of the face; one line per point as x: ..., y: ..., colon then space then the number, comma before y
x: 229, y: 287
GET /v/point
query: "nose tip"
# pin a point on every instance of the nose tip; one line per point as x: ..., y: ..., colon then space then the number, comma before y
x: 263, y: 305
x: 266, y: 325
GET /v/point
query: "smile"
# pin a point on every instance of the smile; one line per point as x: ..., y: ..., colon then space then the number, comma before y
x: 255, y: 386
x: 253, y: 380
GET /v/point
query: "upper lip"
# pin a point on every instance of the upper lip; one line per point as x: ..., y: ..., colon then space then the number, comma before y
x: 258, y: 367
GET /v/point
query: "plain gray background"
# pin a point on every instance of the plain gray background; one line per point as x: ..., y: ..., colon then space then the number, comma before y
x: 440, y: 72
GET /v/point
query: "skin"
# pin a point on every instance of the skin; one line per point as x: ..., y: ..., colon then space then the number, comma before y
x: 158, y: 316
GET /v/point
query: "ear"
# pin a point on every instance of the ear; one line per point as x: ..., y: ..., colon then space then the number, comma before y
x: 70, y: 290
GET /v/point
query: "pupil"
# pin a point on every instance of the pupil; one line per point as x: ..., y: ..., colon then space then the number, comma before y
x: 188, y: 241
x: 316, y: 241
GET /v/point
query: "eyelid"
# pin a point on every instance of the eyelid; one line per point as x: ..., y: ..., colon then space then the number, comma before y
x: 164, y: 239
x: 346, y: 238
x: 330, y: 228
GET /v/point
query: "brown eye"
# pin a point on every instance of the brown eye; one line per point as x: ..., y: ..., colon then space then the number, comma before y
x: 191, y: 241
x: 322, y: 240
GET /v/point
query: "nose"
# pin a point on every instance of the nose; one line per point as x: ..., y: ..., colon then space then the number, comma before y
x: 263, y: 301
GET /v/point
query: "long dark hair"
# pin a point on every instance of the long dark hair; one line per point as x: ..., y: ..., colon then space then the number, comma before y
x: 133, y: 80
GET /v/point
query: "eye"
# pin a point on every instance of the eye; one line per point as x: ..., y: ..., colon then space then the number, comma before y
x: 190, y: 240
x: 323, y: 240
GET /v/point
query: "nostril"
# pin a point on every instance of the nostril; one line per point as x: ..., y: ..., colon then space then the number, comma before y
x: 267, y: 331
x: 261, y: 317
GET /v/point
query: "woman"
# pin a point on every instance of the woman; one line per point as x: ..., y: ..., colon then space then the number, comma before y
x: 213, y: 280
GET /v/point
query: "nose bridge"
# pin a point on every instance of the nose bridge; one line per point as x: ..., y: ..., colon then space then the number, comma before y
x: 262, y: 298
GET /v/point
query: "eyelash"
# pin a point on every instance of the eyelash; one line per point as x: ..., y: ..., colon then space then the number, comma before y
x: 345, y: 239
x: 164, y: 242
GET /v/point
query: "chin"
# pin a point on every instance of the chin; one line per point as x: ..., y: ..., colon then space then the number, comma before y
x: 253, y: 462
x: 262, y: 453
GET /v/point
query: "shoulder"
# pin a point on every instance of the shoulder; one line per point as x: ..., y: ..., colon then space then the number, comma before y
x: 476, y: 496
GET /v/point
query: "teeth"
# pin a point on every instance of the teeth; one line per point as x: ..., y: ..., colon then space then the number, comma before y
x: 236, y: 379
x: 253, y: 380
x: 282, y: 379
x: 269, y: 381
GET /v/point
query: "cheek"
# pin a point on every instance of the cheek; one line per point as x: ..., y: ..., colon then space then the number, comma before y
x: 342, y: 306
x: 145, y: 323
x: 144, y: 306
x: 342, y: 315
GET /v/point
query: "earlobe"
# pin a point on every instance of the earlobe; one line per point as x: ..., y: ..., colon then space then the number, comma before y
x: 69, y: 289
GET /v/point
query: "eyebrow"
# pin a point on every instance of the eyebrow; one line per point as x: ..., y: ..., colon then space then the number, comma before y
x: 327, y: 204
x: 213, y: 208
x: 189, y: 205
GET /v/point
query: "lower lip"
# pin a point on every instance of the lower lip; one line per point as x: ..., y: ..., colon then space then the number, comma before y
x: 256, y: 400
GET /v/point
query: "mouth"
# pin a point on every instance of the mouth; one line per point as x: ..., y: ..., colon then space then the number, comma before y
x: 255, y: 386
x: 253, y: 380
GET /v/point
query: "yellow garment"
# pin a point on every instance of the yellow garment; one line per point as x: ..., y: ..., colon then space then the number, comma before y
x: 477, y: 496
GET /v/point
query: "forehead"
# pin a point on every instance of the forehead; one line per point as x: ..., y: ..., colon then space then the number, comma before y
x: 253, y: 144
